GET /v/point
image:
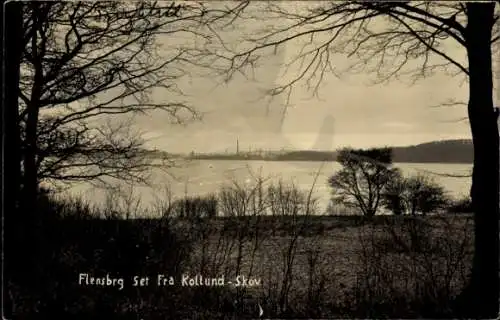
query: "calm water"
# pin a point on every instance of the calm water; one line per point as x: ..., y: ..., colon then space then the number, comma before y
x: 205, y: 176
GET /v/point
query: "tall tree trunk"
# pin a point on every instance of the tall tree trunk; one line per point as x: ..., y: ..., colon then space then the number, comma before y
x: 30, y: 180
x: 11, y: 172
x: 14, y: 255
x: 32, y: 213
x: 484, y: 284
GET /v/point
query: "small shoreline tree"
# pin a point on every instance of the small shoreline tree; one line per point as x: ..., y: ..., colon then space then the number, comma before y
x: 363, y: 177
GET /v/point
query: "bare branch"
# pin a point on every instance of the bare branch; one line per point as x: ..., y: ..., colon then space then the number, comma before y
x: 382, y: 37
x: 84, y: 61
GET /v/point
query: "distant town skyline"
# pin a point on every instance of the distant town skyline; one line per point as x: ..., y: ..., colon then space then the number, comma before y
x: 255, y: 150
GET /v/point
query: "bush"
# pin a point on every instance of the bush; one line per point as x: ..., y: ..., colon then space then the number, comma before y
x: 462, y: 205
x: 196, y: 207
x: 414, y: 194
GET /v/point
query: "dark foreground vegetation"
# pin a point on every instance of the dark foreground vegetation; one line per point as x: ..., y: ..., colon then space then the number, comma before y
x: 309, y: 266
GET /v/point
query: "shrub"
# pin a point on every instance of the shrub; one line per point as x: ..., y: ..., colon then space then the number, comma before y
x: 417, y: 193
x: 196, y: 207
x: 462, y: 205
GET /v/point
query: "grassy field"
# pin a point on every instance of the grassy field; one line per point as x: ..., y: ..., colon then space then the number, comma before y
x: 308, y: 267
x: 345, y: 266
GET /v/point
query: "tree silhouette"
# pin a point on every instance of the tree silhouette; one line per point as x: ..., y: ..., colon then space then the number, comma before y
x: 83, y: 65
x: 363, y: 177
x: 82, y: 61
x: 73, y: 68
x: 11, y: 30
x: 392, y: 39
x: 417, y: 193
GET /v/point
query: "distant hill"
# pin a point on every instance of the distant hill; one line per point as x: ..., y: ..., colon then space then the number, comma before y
x: 445, y: 151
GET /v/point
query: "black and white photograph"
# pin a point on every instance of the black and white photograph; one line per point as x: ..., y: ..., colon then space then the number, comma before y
x: 250, y: 159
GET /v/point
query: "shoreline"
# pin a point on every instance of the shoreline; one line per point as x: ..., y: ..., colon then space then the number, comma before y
x: 316, y: 160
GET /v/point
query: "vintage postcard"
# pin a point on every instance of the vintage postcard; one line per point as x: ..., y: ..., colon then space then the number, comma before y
x: 250, y: 159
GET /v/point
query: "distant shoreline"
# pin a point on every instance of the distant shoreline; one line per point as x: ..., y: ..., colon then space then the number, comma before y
x: 446, y: 151
x: 225, y: 158
x: 311, y: 160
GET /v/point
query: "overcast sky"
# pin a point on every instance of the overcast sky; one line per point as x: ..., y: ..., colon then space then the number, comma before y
x: 348, y: 112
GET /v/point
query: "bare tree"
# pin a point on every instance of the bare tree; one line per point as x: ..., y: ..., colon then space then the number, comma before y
x: 80, y: 68
x: 11, y: 16
x: 363, y: 177
x: 393, y: 39
x: 85, y: 62
x: 11, y: 30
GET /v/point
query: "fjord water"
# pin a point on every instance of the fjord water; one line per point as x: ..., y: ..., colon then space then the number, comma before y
x: 197, y: 177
